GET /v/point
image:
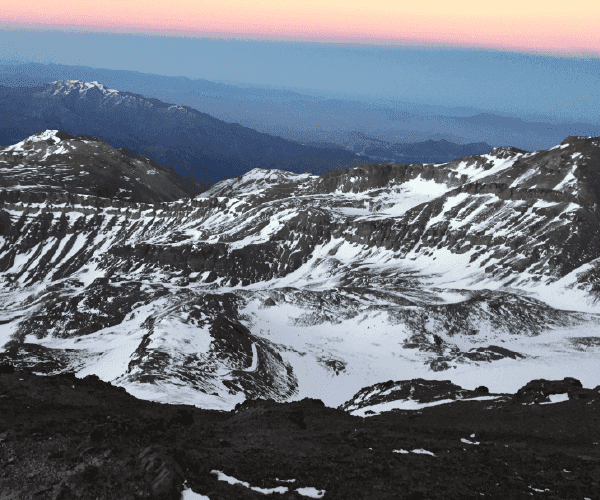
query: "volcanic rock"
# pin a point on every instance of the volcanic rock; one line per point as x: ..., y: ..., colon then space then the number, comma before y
x: 540, y: 391
x: 452, y: 450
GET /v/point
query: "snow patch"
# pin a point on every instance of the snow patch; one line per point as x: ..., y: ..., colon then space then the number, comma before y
x: 421, y: 451
x: 557, y: 398
x: 188, y: 494
x: 232, y: 480
x: 311, y: 492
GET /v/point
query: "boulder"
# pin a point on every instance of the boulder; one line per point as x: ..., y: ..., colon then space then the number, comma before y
x: 537, y: 391
x: 6, y: 369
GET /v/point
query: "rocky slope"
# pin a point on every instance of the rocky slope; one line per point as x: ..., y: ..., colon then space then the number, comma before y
x: 56, y: 166
x: 395, y: 396
x: 63, y: 437
x: 284, y: 286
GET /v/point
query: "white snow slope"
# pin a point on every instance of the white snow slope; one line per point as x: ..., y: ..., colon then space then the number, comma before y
x: 332, y: 283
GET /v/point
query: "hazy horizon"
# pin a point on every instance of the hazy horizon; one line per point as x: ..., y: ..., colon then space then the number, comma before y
x: 514, y: 83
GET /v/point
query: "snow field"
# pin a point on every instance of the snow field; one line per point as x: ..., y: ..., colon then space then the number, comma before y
x: 368, y: 344
x: 309, y: 492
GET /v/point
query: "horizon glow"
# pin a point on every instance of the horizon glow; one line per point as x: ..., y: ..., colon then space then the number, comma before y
x: 535, y: 26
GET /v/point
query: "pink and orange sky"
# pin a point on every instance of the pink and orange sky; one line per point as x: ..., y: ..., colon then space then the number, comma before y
x: 522, y: 25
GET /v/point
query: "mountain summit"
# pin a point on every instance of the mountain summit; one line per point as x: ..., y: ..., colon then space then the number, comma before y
x: 68, y: 86
x: 55, y: 163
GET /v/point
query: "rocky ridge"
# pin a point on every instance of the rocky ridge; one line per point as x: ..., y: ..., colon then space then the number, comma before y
x: 285, y: 286
x: 55, y: 166
x: 405, y: 395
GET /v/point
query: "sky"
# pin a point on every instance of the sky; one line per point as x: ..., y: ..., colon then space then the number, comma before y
x: 524, y: 57
x: 534, y: 25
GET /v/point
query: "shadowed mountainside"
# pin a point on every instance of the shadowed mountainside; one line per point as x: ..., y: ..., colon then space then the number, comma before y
x: 193, y: 144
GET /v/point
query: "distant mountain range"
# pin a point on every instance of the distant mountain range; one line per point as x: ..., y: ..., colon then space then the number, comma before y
x: 314, y: 117
x: 193, y: 144
x: 429, y: 151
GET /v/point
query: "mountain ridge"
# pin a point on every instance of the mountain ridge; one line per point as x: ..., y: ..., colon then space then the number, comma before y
x: 428, y: 151
x: 285, y: 285
x: 191, y: 143
x: 84, y: 165
x: 300, y: 117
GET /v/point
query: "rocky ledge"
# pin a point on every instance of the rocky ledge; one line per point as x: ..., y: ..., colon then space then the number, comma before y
x: 62, y: 438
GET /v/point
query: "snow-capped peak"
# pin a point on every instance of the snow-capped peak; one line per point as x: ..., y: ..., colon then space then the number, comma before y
x: 39, y: 137
x: 254, y: 181
x: 44, y: 136
x: 67, y: 86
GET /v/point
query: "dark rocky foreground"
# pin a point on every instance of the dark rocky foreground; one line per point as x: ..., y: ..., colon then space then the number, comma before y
x: 65, y: 438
